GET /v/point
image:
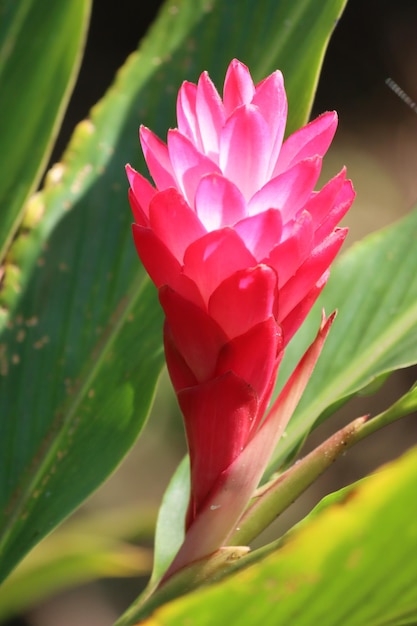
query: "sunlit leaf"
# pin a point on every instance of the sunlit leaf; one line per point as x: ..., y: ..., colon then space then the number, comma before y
x: 351, y: 563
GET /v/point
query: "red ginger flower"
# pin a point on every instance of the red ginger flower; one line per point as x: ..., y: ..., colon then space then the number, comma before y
x: 238, y: 244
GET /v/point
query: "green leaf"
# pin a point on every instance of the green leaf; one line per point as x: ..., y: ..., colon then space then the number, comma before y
x: 96, y: 417
x: 40, y: 52
x: 351, y: 563
x: 374, y: 288
x: 81, y: 355
x: 77, y: 553
x: 171, y: 520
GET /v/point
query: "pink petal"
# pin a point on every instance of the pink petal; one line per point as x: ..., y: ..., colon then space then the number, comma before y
x: 142, y: 191
x: 321, y: 202
x: 238, y: 87
x: 245, y: 149
x: 253, y: 357
x: 289, y: 191
x: 309, y: 273
x: 157, y: 159
x: 162, y: 267
x: 186, y: 113
x: 210, y: 116
x: 311, y: 140
x: 341, y: 204
x: 288, y: 255
x: 195, y: 335
x: 271, y: 99
x: 261, y: 232
x: 228, y: 405
x: 214, y: 257
x: 218, y: 202
x: 173, y: 222
x: 188, y: 163
x: 245, y: 299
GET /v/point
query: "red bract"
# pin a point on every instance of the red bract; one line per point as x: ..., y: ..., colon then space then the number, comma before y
x: 239, y: 245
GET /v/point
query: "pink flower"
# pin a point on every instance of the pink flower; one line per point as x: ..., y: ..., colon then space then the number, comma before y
x: 238, y: 244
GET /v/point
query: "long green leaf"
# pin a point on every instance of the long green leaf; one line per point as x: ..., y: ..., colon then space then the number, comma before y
x: 66, y: 559
x: 40, y: 52
x: 169, y: 533
x: 374, y: 288
x: 80, y: 357
x: 352, y: 563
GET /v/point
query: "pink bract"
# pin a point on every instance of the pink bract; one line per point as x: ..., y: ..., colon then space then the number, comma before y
x: 239, y: 244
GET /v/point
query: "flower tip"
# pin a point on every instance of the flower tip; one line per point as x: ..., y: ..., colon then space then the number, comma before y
x: 130, y: 173
x: 236, y: 63
x: 351, y: 188
x: 144, y: 132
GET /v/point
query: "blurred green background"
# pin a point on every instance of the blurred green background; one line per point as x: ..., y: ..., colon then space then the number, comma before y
x: 377, y: 141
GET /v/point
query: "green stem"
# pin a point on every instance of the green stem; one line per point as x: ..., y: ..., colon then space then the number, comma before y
x: 275, y: 496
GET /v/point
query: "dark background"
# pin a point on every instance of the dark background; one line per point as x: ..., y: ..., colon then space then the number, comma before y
x: 374, y: 40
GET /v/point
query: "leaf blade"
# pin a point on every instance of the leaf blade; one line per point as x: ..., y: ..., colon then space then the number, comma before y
x: 323, y: 576
x: 43, y: 55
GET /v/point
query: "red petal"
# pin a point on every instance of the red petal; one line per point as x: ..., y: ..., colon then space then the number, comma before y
x: 161, y: 265
x: 288, y: 255
x: 253, y: 357
x: 296, y: 317
x: 157, y: 159
x: 218, y: 202
x: 245, y: 149
x: 196, y: 336
x: 340, y: 205
x: 321, y: 202
x: 309, y: 273
x: 238, y: 87
x: 173, y: 222
x: 138, y: 213
x: 261, y: 232
x: 188, y: 163
x: 218, y: 416
x: 244, y: 299
x: 180, y: 374
x: 214, y: 257
x: 311, y: 140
